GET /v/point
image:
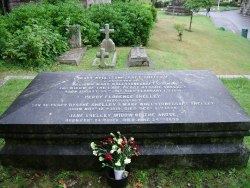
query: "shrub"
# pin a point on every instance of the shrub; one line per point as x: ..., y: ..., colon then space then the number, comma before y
x: 161, y: 4
x: 180, y: 29
x: 48, y: 26
x: 34, y: 46
x: 132, y: 22
x: 153, y: 10
x: 57, y: 17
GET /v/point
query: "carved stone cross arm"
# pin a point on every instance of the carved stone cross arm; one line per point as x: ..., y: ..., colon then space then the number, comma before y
x: 107, y: 31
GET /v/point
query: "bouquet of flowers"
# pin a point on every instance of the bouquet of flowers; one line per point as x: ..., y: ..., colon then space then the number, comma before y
x: 116, y: 151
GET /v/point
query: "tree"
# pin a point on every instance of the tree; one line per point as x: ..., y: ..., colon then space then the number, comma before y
x: 3, y: 7
x: 179, y: 28
x: 194, y: 6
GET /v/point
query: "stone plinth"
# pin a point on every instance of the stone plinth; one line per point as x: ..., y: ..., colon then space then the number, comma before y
x: 138, y: 57
x: 179, y: 118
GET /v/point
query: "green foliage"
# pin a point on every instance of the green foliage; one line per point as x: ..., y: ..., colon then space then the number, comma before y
x: 34, y: 46
x: 33, y: 34
x: 132, y: 22
x: 180, y: 29
x: 161, y: 4
x: 58, y: 17
x: 231, y: 4
x: 193, y: 5
x: 196, y: 5
x: 153, y: 11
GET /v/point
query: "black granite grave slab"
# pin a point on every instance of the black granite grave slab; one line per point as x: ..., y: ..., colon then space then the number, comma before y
x: 164, y: 110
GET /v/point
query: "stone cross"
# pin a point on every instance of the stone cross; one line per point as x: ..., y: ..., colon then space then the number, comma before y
x: 107, y: 31
x: 102, y: 55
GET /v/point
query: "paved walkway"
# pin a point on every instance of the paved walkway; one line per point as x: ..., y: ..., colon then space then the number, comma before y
x: 231, y: 21
x: 3, y: 81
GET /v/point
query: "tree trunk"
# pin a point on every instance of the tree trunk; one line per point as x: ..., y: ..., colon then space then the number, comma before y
x: 191, y: 19
x: 3, y: 7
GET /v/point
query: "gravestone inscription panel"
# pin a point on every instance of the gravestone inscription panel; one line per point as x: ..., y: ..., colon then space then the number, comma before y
x: 186, y: 117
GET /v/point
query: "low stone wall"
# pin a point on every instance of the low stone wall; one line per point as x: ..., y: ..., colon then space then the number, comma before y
x: 177, y: 10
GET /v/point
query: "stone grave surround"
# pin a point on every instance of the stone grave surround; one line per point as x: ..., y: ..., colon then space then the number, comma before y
x: 179, y: 119
x: 138, y: 57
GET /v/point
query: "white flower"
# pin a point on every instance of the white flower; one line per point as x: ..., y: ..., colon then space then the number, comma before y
x: 118, y: 163
x: 119, y: 151
x: 95, y: 153
x: 127, y: 161
x: 114, y: 147
x: 101, y: 159
x: 112, y: 151
x: 119, y: 141
x: 93, y: 145
x: 132, y: 139
x: 112, y: 134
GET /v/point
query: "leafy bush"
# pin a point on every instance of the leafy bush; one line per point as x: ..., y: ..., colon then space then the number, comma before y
x: 34, y: 46
x: 58, y: 17
x: 153, y: 11
x: 132, y: 22
x: 48, y: 26
x: 161, y: 4
x: 231, y: 4
x: 180, y: 29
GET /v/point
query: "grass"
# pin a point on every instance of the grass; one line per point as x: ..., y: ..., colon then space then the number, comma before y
x: 230, y: 177
x: 10, y: 91
x: 205, y: 48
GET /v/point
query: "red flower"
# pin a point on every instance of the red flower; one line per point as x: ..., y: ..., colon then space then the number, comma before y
x: 124, y: 142
x: 108, y: 157
x: 110, y: 139
x: 122, y: 148
x: 133, y: 156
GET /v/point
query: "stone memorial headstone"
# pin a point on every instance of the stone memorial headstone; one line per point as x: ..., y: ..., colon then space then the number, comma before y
x: 74, y: 55
x: 109, y: 46
x: 138, y: 57
x: 75, y: 39
x: 107, y: 43
x: 179, y: 119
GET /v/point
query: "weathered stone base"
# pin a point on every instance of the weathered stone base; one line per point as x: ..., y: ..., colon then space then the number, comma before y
x: 72, y: 57
x: 164, y: 153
